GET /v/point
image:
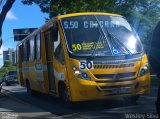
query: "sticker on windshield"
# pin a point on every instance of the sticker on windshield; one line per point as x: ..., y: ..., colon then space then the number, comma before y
x: 76, y: 47
x: 87, y: 46
x: 83, y: 65
x: 115, y: 51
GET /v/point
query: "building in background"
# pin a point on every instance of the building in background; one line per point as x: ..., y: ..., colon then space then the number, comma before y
x: 9, y: 55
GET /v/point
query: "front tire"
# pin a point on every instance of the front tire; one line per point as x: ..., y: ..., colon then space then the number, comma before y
x: 66, y: 97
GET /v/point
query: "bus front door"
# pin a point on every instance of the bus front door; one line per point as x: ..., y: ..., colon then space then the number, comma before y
x: 49, y: 58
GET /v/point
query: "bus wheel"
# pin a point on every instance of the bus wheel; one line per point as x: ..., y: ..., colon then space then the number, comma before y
x: 66, y: 97
x: 29, y: 91
x: 131, y: 99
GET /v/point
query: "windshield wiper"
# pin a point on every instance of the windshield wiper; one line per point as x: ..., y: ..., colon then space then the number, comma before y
x: 101, y: 39
x: 96, y: 45
x: 118, y: 42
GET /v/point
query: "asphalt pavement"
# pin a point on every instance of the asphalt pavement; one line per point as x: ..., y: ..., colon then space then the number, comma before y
x: 13, y: 108
x: 15, y: 101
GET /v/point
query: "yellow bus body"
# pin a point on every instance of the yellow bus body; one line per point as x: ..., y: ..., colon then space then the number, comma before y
x: 98, y: 87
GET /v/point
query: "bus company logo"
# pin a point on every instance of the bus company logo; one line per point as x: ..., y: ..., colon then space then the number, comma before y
x: 116, y: 77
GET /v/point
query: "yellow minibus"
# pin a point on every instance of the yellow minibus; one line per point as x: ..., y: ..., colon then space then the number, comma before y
x: 84, y: 56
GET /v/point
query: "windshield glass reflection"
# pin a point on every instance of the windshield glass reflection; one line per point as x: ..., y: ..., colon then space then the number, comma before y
x: 100, y: 35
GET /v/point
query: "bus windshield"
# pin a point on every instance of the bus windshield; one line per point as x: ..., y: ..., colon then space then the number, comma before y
x: 100, y: 35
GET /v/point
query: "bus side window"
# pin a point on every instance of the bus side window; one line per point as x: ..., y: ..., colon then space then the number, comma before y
x: 58, y: 50
x: 28, y: 50
x: 31, y: 58
x: 24, y: 51
x: 17, y: 53
x: 22, y: 56
x: 37, y: 48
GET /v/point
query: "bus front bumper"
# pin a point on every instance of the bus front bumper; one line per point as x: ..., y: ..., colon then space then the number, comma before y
x: 90, y: 90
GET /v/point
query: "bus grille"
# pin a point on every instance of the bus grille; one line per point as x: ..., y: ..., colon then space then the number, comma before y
x: 117, y: 90
x: 109, y: 66
x: 115, y: 80
x: 115, y: 76
x: 116, y: 87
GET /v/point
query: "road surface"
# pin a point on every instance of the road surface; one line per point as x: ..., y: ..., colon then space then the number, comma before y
x: 111, y: 109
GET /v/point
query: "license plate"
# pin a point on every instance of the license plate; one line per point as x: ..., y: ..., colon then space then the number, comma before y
x: 119, y: 90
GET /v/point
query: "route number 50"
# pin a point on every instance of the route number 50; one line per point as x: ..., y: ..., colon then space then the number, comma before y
x: 85, y: 65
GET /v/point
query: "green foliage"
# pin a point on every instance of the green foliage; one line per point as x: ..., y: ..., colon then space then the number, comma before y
x: 142, y: 14
x: 5, y: 68
x: 11, y: 68
x: 1, y: 74
x: 7, y: 64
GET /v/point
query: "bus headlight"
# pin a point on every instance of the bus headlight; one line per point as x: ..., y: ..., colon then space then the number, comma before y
x: 144, y: 70
x: 81, y: 74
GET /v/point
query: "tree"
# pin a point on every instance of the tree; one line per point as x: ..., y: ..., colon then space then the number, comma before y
x: 5, y: 8
x: 7, y: 64
x: 142, y: 14
x: 7, y: 67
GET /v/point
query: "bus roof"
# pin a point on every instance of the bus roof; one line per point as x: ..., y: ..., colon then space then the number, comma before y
x: 86, y: 13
